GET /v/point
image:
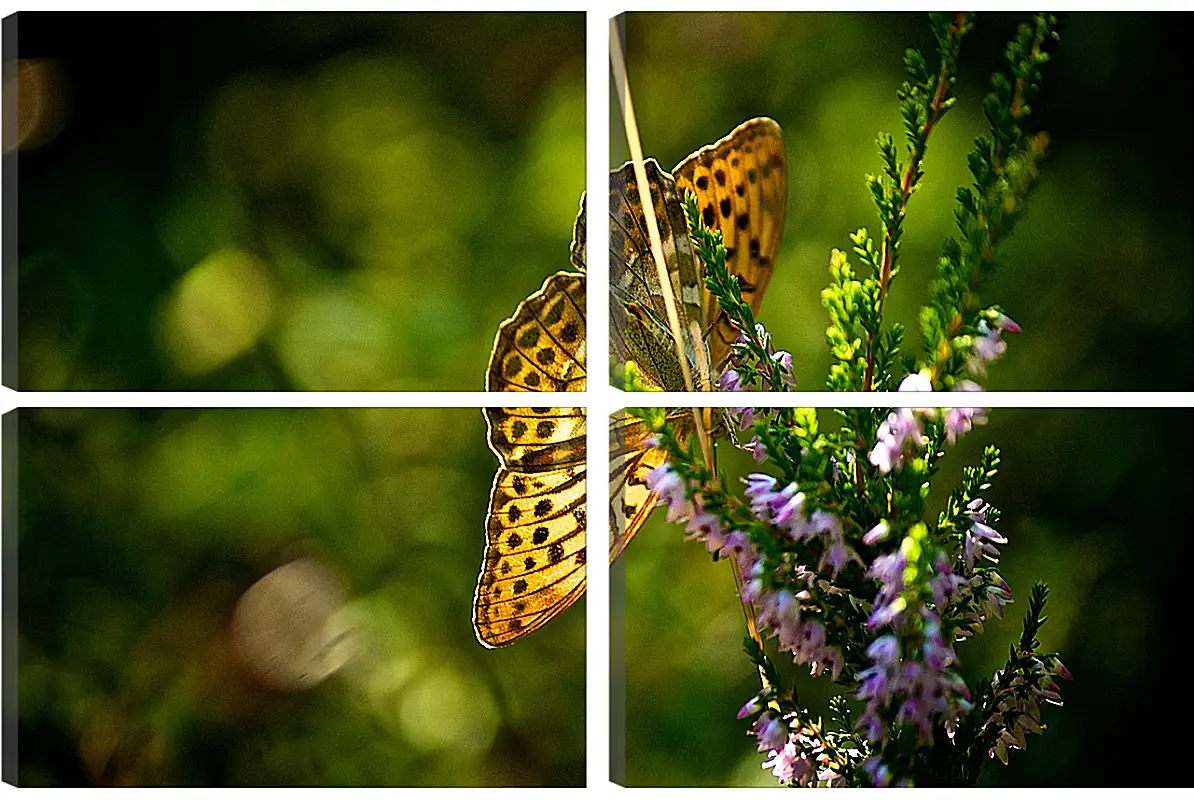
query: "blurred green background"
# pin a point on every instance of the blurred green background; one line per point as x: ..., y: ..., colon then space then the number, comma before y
x: 1099, y: 274
x: 289, y: 201
x: 139, y: 533
x: 1091, y: 505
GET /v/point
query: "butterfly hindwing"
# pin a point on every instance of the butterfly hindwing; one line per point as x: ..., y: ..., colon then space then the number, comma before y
x: 633, y: 274
x: 537, y: 438
x: 639, y: 328
x: 631, y: 457
x: 534, y: 565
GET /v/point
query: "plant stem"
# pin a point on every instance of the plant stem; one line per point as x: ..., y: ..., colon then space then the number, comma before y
x: 907, y: 185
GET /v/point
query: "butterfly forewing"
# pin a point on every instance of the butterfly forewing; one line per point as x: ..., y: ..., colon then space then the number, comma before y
x: 741, y: 186
x: 542, y: 347
x: 630, y: 459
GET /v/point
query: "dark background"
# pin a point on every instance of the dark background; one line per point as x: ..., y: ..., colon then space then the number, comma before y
x: 1098, y: 274
x: 139, y: 531
x: 290, y: 201
x: 1093, y: 504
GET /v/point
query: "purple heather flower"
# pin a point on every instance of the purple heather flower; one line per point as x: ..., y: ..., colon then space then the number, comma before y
x: 705, y: 527
x: 871, y: 725
x: 900, y: 427
x: 918, y: 382
x: 754, y: 591
x: 879, y: 774
x: 664, y: 481
x: 786, y: 505
x: 836, y: 553
x: 967, y: 385
x: 886, y: 455
x: 873, y: 684
x: 783, y: 508
x: 888, y: 569
x: 885, y: 613
x: 989, y: 345
x: 738, y: 547
x: 836, y: 556
x: 938, y: 654
x: 991, y: 594
x: 982, y: 539
x: 824, y: 523
x: 877, y: 533
x: 1003, y: 322
x: 782, y: 763
x: 752, y: 706
x: 779, y: 611
x: 790, y: 765
x: 784, y: 361
x: 831, y: 778
x: 832, y: 658
x: 959, y: 421
x: 716, y: 541
x: 731, y: 381
x: 667, y: 483
x: 1059, y: 669
x: 771, y: 731
x: 945, y: 584
x: 885, y: 650
x: 811, y: 642
x: 758, y: 483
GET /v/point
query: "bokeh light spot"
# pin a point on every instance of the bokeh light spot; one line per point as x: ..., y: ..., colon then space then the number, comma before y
x: 333, y: 339
x: 444, y: 709
x: 217, y: 311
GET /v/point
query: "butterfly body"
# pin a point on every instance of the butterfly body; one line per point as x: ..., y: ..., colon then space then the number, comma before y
x: 534, y: 565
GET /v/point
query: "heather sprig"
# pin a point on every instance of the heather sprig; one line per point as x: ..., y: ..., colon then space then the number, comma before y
x: 960, y: 338
x: 863, y: 590
x: 835, y: 550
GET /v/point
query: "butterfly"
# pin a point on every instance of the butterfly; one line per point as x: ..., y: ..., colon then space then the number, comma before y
x: 534, y: 563
x: 740, y: 183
